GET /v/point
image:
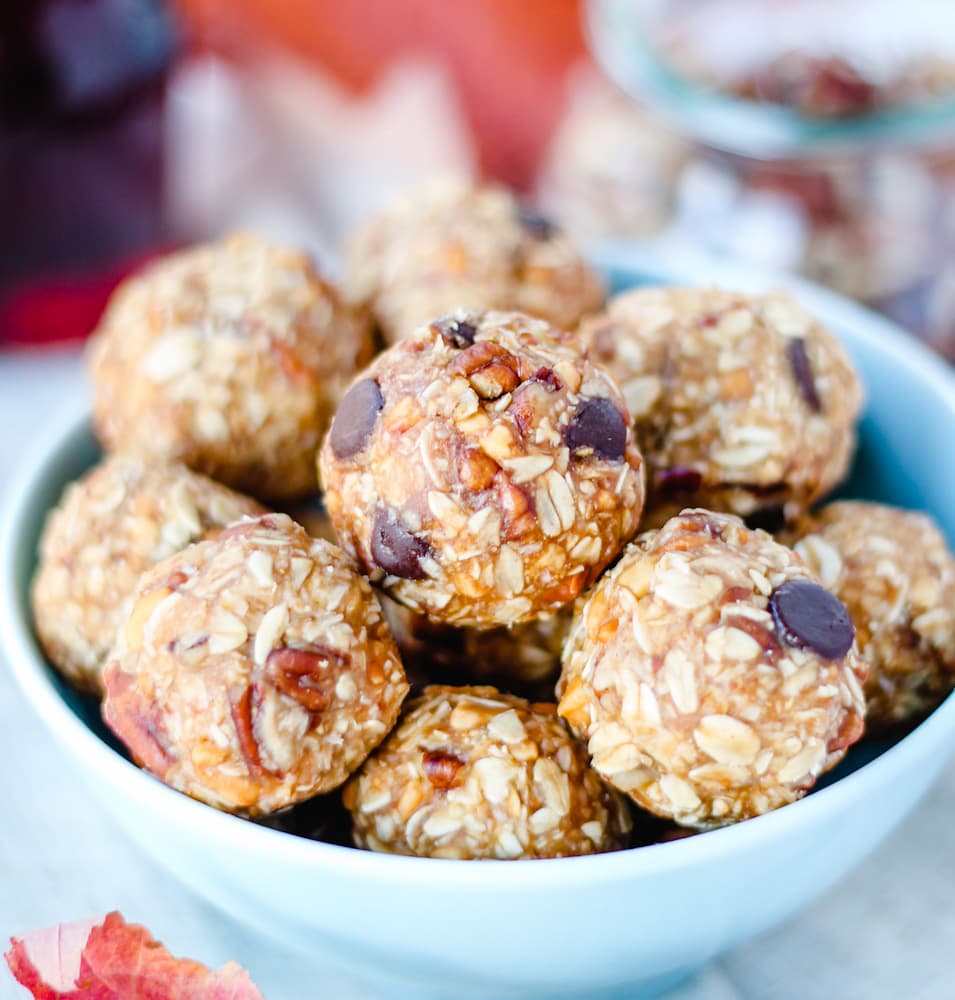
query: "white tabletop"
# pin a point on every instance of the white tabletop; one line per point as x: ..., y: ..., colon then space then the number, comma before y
x: 886, y: 932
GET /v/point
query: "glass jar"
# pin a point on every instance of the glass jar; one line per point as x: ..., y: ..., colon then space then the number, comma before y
x: 824, y: 136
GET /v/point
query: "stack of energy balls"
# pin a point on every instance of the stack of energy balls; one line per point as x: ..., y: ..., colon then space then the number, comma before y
x: 484, y: 479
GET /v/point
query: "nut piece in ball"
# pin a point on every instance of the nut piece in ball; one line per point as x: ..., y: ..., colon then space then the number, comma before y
x: 714, y: 678
x: 473, y: 773
x: 255, y: 669
x: 454, y: 245
x: 118, y: 521
x: 231, y: 358
x: 743, y: 404
x: 896, y: 575
x: 483, y: 469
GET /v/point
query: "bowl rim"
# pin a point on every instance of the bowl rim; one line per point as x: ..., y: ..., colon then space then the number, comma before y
x: 741, y: 126
x: 33, y: 674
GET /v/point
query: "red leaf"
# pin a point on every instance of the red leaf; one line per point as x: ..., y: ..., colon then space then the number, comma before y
x: 47, y: 962
x: 108, y: 959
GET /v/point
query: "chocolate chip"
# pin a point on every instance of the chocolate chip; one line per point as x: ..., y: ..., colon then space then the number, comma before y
x: 355, y: 418
x: 598, y: 425
x: 678, y: 480
x: 537, y: 225
x: 455, y: 332
x: 395, y: 549
x: 802, y: 373
x: 807, y: 616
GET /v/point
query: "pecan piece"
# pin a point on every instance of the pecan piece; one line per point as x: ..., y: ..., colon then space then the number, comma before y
x: 512, y: 501
x: 476, y: 470
x: 441, y: 768
x: 241, y: 711
x: 490, y: 369
x: 761, y: 632
x: 850, y: 730
x: 565, y: 591
x: 299, y: 673
x: 135, y: 722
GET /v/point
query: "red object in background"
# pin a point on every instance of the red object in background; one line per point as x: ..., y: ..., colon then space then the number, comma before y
x: 507, y: 58
x: 51, y: 312
x: 81, y: 97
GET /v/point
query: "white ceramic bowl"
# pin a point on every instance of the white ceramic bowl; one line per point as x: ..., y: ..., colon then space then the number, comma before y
x: 625, y: 924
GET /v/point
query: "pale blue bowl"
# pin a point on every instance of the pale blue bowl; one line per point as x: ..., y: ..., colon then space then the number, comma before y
x: 627, y: 924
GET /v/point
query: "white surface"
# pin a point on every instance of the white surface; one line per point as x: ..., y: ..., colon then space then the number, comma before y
x: 885, y: 932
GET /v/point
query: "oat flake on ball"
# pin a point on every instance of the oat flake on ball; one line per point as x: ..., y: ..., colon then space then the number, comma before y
x: 483, y: 470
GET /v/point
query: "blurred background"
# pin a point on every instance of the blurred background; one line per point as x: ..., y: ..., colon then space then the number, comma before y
x: 816, y: 137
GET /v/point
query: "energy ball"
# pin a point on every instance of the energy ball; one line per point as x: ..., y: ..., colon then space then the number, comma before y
x: 118, y: 521
x: 742, y: 404
x: 524, y: 658
x: 895, y: 573
x: 471, y: 773
x: 714, y: 678
x: 483, y: 470
x: 231, y: 358
x: 455, y: 245
x: 255, y: 669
